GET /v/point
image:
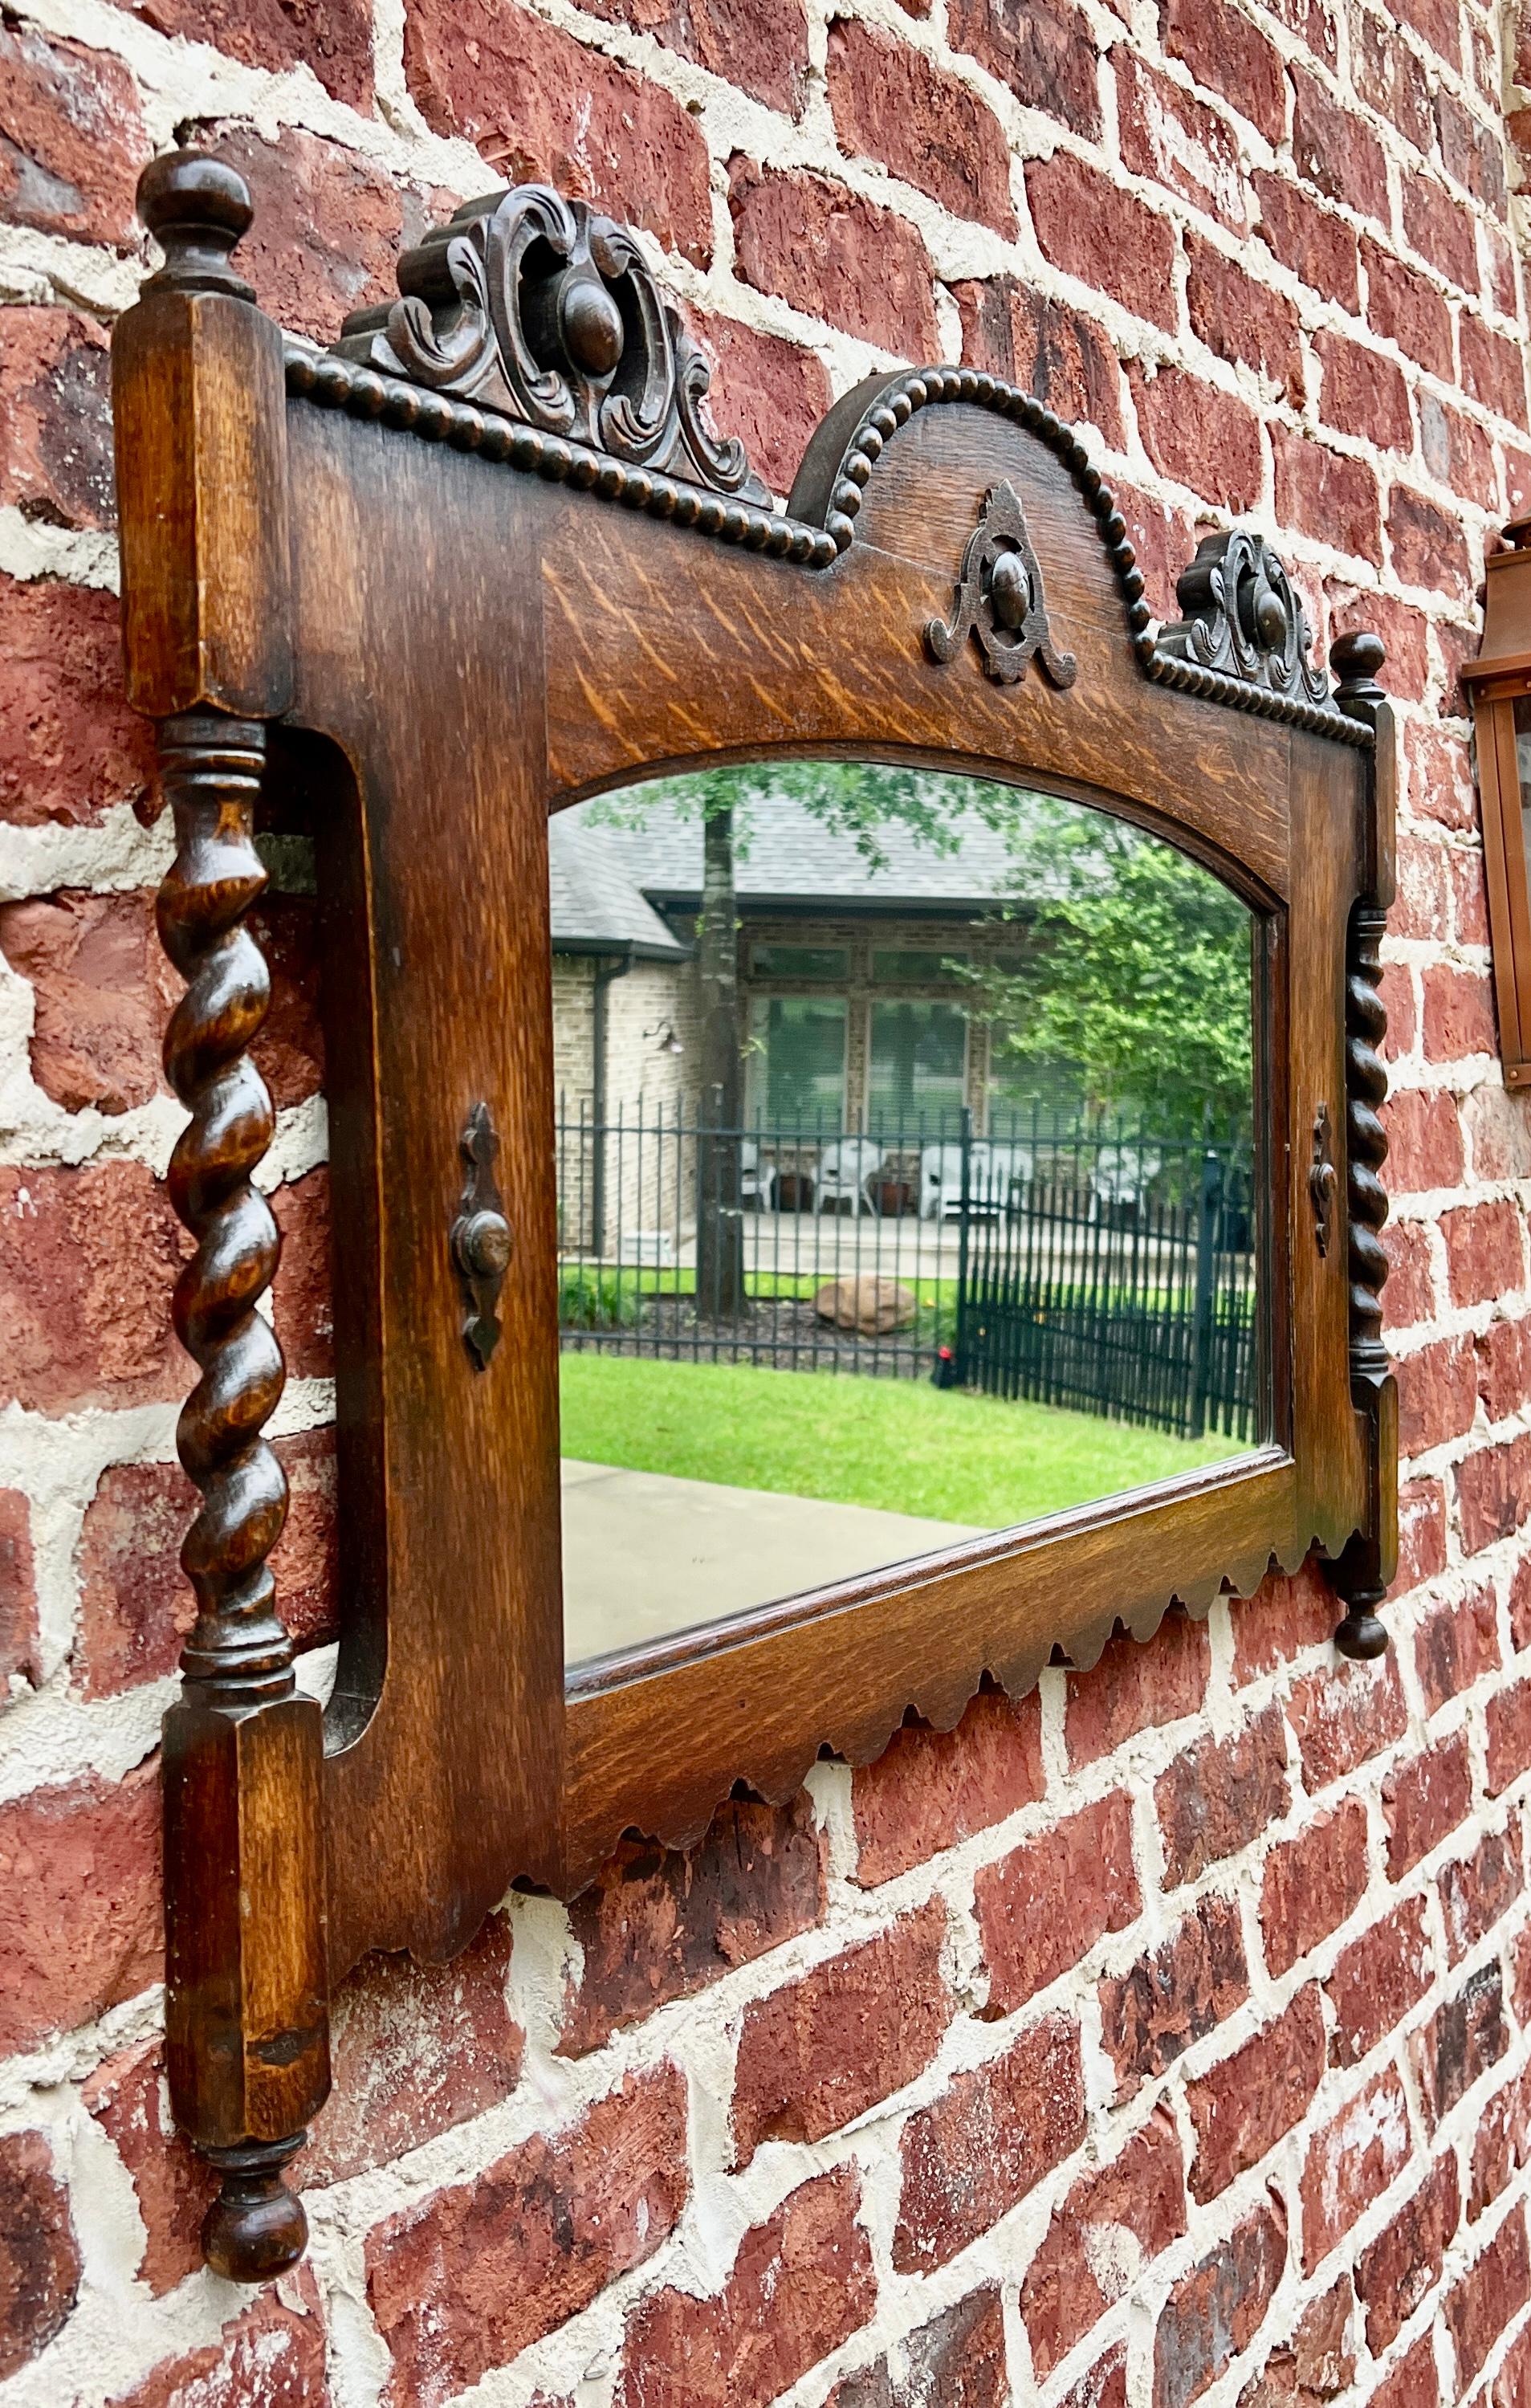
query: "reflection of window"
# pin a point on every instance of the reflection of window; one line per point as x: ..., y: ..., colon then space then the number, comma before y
x: 919, y: 1063
x: 799, y: 962
x: 907, y: 966
x: 796, y: 1070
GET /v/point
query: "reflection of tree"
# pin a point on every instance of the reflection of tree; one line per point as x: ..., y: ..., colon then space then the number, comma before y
x: 1138, y: 970
x: 854, y: 798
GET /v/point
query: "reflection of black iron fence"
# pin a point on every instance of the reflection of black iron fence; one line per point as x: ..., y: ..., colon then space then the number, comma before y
x: 1082, y: 1265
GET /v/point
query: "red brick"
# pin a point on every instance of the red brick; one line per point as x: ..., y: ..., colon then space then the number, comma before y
x: 1131, y: 2209
x: 930, y: 1789
x: 1509, y: 1717
x: 1421, y: 908
x: 1494, y: 1493
x: 1456, y: 451
x: 760, y: 45
x: 661, y: 1923
x: 1214, y: 2311
x: 1498, y: 283
x: 272, y: 2354
x: 1179, y: 141
x: 1409, y: 1296
x: 1376, y: 1980
x: 890, y: 104
x: 1244, y: 2105
x: 1520, y: 1963
x: 540, y: 107
x: 1351, y: 2161
x: 1287, y: 1612
x: 1422, y: 1533
x: 1199, y: 436
x: 1477, y: 1890
x: 1495, y: 2289
x: 328, y: 228
x: 1439, y: 227
x: 1327, y: 495
x: 391, y: 2093
x: 1402, y: 2266
x: 988, y: 2141
x: 1218, y: 1795
x: 1471, y: 152
x: 1413, y: 2381
x: 1462, y: 2040
x: 1227, y: 53
x: 1045, y: 347
x: 1163, y: 541
x: 39, y: 2257
x: 1513, y: 2383
x: 1406, y: 310
x: 55, y: 418
x: 1504, y: 1367
x: 1110, y: 239
x: 1493, y: 369
x: 137, y: 1606
x: 1424, y: 1139
x: 75, y: 138
x: 79, y: 1872
x: 103, y: 992
x: 833, y: 254
x: 1313, y: 23
x: 1500, y: 2145
x: 303, y: 1305
x: 1391, y: 77
x: 1044, y: 53
x: 1485, y: 1256
x: 1242, y: 320
x: 1043, y: 1908
x: 173, y: 2186
x: 1317, y: 2364
x: 1438, y: 1394
x: 1313, y: 1885
x: 1403, y: 631
x: 463, y: 2282
x: 20, y: 1637
x: 1455, y: 1645
x: 1424, y: 1799
x: 88, y: 1258
x: 801, y: 2285
x: 1137, y: 1685
x: 69, y: 746
x: 820, y: 2051
x: 1362, y: 393
x: 1426, y: 546
x: 1470, y: 892
x: 1175, y: 1995
x: 1312, y: 242
x: 1103, y: 2387
x: 958, y: 2360
x: 1344, y: 1714
x: 1335, y: 149
x: 769, y: 392
x: 1458, y: 1014
x: 333, y: 37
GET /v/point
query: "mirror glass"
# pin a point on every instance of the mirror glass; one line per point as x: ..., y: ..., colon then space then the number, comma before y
x: 906, y: 1159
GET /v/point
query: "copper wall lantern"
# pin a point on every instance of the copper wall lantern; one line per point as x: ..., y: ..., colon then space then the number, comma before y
x: 1499, y: 685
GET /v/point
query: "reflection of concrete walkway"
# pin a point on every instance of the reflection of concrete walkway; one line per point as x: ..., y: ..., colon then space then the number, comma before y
x: 644, y: 1554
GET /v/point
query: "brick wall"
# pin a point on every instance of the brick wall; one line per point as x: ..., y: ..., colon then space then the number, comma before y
x: 1166, y: 2036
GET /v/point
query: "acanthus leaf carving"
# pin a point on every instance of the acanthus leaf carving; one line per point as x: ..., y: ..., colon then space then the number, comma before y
x: 1243, y: 618
x: 544, y: 311
x: 1000, y: 599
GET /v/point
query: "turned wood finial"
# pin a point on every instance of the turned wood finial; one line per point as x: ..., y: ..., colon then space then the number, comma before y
x: 198, y: 207
x: 1355, y: 660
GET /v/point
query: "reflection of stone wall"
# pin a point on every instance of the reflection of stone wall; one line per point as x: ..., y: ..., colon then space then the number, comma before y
x: 1163, y: 2037
x: 648, y: 1181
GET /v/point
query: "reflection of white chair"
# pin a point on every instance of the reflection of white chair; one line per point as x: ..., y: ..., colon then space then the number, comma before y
x: 940, y: 1178
x: 843, y: 1172
x: 1120, y: 1175
x: 757, y: 1186
x: 1007, y: 1166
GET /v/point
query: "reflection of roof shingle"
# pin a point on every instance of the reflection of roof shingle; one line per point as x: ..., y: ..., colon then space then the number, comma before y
x: 789, y: 859
x: 597, y: 907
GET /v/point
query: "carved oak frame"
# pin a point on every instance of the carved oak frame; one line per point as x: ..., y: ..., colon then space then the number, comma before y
x: 481, y: 560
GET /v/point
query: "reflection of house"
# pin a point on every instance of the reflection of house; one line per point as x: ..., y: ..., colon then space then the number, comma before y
x: 850, y: 1007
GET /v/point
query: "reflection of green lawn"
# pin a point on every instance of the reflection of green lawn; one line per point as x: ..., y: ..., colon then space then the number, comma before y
x: 899, y: 1445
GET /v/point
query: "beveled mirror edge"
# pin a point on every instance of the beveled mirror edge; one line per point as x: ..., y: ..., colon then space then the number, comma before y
x: 202, y: 474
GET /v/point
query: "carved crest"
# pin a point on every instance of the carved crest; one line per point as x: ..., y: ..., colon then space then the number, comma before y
x: 1243, y: 619
x: 1000, y: 599
x: 541, y: 309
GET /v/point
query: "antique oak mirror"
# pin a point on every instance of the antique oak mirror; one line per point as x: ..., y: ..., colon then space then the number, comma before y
x: 957, y: 1191
x: 1499, y: 683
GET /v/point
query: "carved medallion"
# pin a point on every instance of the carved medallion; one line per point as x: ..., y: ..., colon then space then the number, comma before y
x: 1000, y: 599
x: 543, y: 310
x: 481, y: 1238
x: 1243, y: 619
